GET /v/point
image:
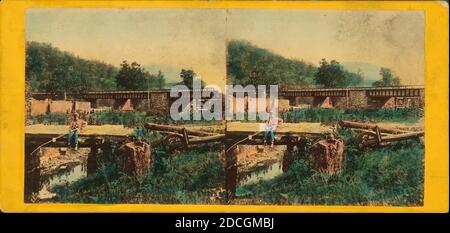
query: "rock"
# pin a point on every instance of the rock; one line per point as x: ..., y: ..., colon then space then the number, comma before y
x: 62, y: 151
x: 44, y: 194
x: 260, y: 148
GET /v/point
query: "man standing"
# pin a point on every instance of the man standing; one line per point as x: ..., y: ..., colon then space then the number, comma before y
x: 271, y: 127
x: 76, y: 125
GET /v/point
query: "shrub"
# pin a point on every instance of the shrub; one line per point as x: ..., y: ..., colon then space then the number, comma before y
x: 186, y: 178
x: 387, y: 176
x: 326, y: 115
x: 51, y: 118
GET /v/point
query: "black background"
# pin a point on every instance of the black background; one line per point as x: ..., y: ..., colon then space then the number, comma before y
x: 283, y: 222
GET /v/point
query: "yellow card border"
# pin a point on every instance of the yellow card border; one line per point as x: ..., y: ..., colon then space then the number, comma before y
x: 12, y: 112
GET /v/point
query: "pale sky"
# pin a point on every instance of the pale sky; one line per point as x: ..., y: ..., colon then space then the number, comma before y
x: 196, y: 38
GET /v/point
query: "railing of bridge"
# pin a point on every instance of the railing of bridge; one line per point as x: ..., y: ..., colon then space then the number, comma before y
x: 406, y: 90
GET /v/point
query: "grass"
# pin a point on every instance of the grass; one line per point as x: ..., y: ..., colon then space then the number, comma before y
x: 325, y: 115
x: 185, y: 178
x: 51, y: 118
x: 391, y: 175
x: 115, y: 117
x: 126, y: 118
x: 388, y: 176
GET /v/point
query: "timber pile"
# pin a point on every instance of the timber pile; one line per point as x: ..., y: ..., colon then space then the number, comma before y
x: 135, y: 158
x: 328, y: 155
x: 375, y: 135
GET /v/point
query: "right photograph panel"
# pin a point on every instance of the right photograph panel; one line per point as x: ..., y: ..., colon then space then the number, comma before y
x: 324, y: 107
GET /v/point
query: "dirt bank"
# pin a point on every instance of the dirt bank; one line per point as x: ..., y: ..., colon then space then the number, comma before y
x: 57, y: 160
x: 250, y: 158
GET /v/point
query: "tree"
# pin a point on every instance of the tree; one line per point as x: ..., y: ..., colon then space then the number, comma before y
x: 48, y: 69
x: 333, y: 74
x: 187, y: 77
x: 330, y: 74
x: 160, y: 80
x: 249, y: 64
x: 132, y: 77
x: 387, y: 79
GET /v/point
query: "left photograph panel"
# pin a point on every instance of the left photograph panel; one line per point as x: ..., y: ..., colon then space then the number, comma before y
x: 98, y: 98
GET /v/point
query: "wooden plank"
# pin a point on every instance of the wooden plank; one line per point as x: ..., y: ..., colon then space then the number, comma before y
x: 177, y: 129
x: 90, y: 130
x: 304, y: 128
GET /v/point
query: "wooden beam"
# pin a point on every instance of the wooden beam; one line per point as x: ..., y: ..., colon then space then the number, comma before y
x: 159, y: 127
x: 363, y: 125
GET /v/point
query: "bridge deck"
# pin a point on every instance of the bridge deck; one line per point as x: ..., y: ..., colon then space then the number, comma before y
x: 400, y: 91
x: 295, y: 129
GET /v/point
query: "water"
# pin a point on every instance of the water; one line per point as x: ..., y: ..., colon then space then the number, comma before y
x: 43, y: 189
x: 264, y: 173
x: 70, y: 176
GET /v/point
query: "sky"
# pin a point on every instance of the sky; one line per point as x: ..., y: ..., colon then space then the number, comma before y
x: 196, y: 38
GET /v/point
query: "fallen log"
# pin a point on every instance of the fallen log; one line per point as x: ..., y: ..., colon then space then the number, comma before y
x: 172, y: 133
x: 363, y: 125
x: 393, y: 138
x: 176, y: 129
x: 214, y: 138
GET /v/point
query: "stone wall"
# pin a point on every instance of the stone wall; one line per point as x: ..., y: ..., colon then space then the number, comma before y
x: 357, y: 99
x: 323, y: 102
x: 159, y: 104
x: 60, y: 106
x: 82, y: 106
x: 339, y: 102
x: 409, y: 102
x: 283, y: 104
x: 304, y: 101
x: 380, y: 102
x: 104, y: 103
x: 38, y: 107
x: 127, y: 106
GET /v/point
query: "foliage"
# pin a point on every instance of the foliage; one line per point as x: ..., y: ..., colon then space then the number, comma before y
x: 134, y: 77
x: 392, y: 175
x: 324, y: 115
x: 386, y: 176
x: 333, y: 115
x: 186, y: 178
x: 160, y: 81
x: 49, y: 69
x: 132, y: 119
x: 248, y: 64
x: 187, y: 76
x: 126, y: 118
x: 333, y: 74
x: 50, y: 118
x: 387, y: 79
